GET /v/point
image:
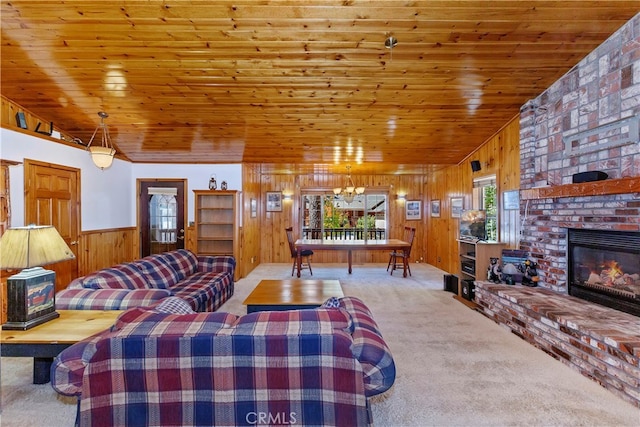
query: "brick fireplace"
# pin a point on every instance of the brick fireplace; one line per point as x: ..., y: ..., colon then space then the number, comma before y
x: 588, y: 120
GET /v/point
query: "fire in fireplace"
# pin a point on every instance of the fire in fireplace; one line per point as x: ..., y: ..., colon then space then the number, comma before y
x: 604, y: 267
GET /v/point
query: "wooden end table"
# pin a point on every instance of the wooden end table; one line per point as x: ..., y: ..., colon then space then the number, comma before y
x: 46, y: 341
x: 291, y: 294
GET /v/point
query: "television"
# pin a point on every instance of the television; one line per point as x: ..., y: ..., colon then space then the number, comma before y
x: 473, y: 225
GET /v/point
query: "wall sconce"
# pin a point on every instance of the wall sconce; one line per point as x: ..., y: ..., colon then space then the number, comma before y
x: 401, y: 197
x: 286, y: 197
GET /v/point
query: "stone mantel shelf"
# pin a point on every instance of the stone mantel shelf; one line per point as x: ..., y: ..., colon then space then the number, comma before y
x: 594, y: 188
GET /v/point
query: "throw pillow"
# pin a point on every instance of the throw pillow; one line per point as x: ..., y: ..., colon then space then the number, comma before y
x: 333, y: 302
x: 173, y: 305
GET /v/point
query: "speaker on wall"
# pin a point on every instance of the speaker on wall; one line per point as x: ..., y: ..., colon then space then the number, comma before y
x: 475, y: 165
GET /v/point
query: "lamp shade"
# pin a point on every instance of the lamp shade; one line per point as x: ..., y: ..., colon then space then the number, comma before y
x: 102, y: 156
x: 32, y: 246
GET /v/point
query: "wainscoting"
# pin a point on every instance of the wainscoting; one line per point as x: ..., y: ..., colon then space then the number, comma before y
x: 601, y: 343
x: 104, y: 248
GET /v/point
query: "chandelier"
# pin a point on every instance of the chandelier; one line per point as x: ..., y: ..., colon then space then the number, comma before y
x: 102, y: 155
x: 350, y: 190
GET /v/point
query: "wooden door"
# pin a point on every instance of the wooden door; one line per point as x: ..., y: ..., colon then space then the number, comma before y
x: 52, y: 198
x: 161, y: 213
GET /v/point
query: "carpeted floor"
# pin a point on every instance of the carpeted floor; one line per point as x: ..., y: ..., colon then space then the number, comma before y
x: 454, y: 366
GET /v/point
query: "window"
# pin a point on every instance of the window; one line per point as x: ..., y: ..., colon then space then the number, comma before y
x: 329, y: 217
x: 163, y: 213
x: 485, y: 197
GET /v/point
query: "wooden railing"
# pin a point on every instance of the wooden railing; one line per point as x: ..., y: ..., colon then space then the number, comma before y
x: 344, y: 234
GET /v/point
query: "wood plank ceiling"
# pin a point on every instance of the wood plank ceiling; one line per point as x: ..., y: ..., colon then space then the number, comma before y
x: 306, y: 83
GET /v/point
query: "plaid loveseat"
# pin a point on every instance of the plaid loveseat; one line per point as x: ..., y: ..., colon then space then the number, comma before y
x: 205, y: 282
x: 314, y: 367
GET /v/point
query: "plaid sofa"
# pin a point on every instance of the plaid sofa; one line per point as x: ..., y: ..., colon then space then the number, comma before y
x: 173, y: 367
x: 205, y: 282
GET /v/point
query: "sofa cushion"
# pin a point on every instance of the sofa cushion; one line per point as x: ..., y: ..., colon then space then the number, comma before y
x: 294, y: 322
x: 183, y: 261
x: 123, y: 276
x: 216, y: 263
x: 158, y: 272
x: 149, y: 322
x: 77, y: 283
x: 143, y: 298
x: 108, y: 299
x: 205, y: 291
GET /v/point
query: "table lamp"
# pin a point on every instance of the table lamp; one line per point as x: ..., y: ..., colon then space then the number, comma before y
x: 31, y: 293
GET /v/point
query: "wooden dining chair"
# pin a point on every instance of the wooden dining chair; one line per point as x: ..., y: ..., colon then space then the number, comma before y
x: 397, y: 258
x: 305, y: 254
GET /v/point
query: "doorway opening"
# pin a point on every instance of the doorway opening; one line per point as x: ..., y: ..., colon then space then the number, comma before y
x: 161, y: 213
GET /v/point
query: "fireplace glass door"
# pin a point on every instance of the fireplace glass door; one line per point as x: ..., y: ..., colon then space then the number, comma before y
x: 604, y: 267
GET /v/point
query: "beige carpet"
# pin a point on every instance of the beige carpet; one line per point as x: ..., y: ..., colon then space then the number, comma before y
x: 454, y: 366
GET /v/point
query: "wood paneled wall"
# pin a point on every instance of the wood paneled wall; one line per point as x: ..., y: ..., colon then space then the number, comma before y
x: 104, y: 248
x: 272, y: 237
x: 500, y: 156
x: 251, y: 234
x: 8, y: 110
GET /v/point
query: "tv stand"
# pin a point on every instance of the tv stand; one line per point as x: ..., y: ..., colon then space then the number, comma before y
x: 473, y: 266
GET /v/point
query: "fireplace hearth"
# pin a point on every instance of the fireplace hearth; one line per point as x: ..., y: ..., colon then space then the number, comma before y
x: 604, y: 267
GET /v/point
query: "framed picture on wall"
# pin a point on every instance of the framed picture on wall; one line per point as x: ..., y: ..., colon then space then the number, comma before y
x: 435, y: 208
x: 511, y: 200
x: 254, y: 208
x: 413, y: 210
x: 20, y: 120
x: 456, y: 207
x: 274, y: 201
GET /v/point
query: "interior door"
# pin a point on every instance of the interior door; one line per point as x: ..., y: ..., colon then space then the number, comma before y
x: 52, y: 198
x: 161, y: 214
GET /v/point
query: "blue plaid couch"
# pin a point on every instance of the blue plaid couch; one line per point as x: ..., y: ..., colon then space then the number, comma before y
x: 168, y: 366
x: 205, y: 282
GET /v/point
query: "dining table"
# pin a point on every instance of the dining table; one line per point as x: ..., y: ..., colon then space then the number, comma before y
x: 352, y: 245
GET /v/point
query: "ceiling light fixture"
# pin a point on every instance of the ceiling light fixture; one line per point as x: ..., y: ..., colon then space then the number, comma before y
x: 102, y: 155
x: 350, y: 190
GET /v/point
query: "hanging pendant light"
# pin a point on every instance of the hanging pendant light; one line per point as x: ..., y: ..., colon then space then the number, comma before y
x: 102, y: 155
x: 350, y: 190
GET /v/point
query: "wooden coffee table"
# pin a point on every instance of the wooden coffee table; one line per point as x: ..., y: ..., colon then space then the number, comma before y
x: 46, y: 341
x: 291, y: 294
